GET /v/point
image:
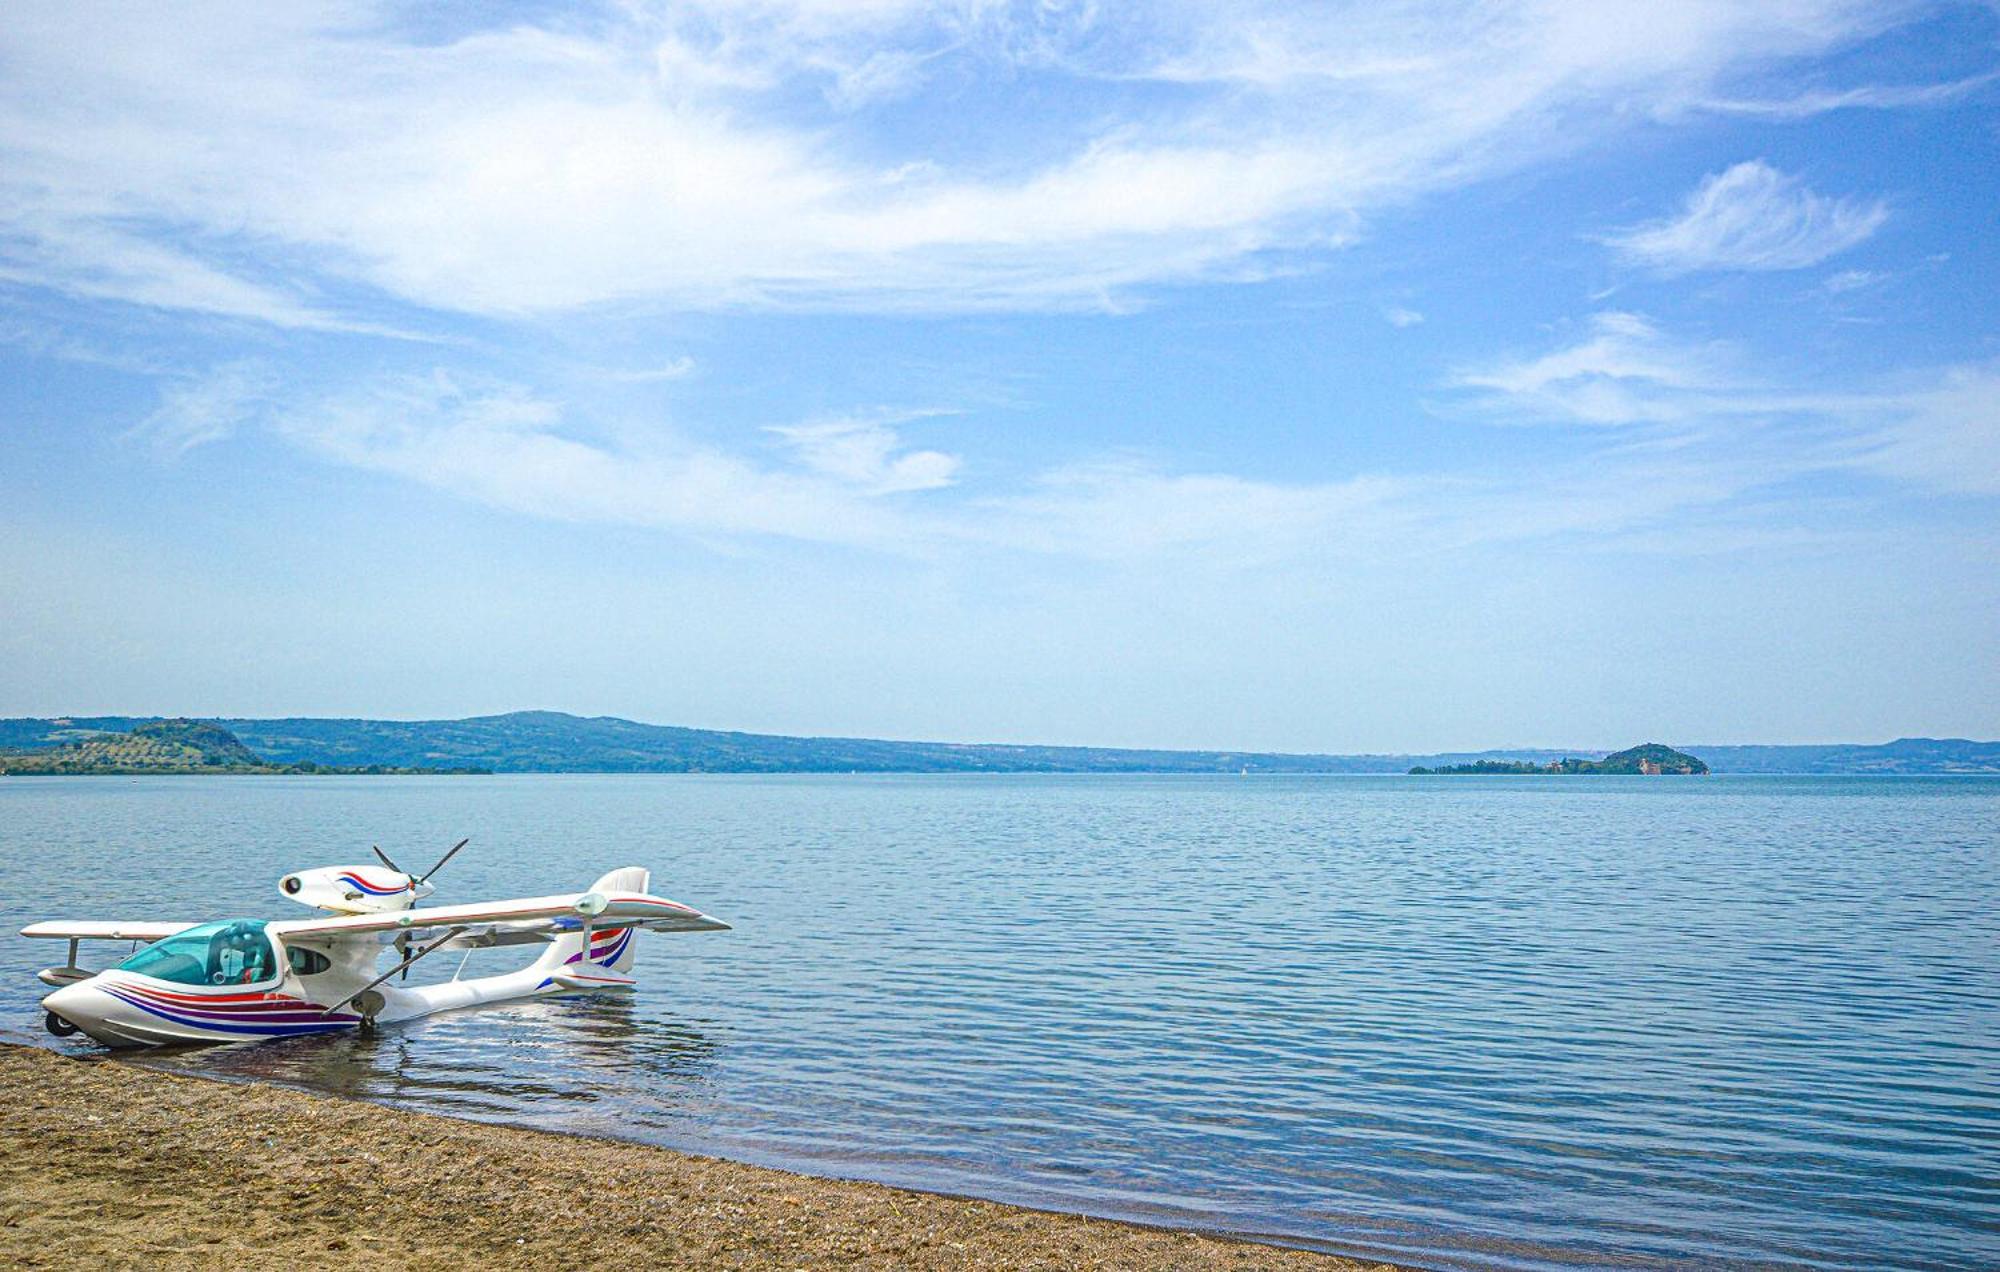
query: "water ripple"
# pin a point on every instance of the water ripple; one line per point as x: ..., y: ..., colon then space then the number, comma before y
x: 1510, y: 1023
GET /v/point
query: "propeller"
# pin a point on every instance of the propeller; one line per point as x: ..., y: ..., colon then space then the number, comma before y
x: 403, y: 938
x: 425, y: 878
x: 384, y: 858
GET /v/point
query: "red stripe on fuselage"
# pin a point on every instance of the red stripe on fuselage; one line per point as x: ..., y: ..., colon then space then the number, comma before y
x: 220, y: 1004
x: 208, y: 999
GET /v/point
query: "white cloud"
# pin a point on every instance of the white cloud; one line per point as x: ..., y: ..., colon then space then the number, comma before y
x: 96, y: 261
x: 1699, y: 435
x: 1865, y: 96
x: 1398, y: 316
x: 1624, y: 370
x: 1125, y: 509
x: 257, y: 160
x: 673, y: 369
x: 201, y: 410
x: 1935, y: 430
x: 1752, y: 217
x: 509, y: 447
x: 1848, y: 280
x: 1945, y: 434
x: 867, y: 454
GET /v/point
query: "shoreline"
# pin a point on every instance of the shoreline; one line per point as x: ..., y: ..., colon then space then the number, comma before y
x: 102, y: 1162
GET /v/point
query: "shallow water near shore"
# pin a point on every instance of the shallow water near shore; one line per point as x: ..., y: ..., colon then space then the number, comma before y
x: 1462, y: 1022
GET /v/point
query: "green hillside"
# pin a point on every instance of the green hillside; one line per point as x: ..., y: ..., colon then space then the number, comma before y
x: 157, y: 747
x: 166, y: 746
x: 552, y: 742
x: 1650, y: 759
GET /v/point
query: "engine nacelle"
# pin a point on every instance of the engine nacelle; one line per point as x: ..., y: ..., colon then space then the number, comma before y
x: 354, y: 889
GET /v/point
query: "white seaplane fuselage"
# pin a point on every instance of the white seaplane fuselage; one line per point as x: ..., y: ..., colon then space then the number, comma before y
x: 248, y: 979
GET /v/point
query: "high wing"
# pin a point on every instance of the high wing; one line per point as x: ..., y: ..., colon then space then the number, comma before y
x: 105, y: 931
x: 514, y: 922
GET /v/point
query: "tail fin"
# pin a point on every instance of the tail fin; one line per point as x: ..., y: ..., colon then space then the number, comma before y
x: 610, y: 948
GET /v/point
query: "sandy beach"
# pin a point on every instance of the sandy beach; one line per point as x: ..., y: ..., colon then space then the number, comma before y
x: 106, y: 1164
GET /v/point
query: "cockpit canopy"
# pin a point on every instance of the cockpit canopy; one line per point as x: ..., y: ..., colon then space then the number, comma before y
x: 233, y: 952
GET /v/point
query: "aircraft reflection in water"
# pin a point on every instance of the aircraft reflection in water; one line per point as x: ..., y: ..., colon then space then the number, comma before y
x: 568, y: 1063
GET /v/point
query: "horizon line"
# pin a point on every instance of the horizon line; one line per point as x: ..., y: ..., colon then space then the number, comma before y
x: 1065, y: 746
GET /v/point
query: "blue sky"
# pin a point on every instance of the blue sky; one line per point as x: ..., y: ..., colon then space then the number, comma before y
x: 1329, y: 377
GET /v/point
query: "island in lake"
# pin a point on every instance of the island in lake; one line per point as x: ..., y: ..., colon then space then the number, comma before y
x: 171, y: 746
x: 1649, y: 760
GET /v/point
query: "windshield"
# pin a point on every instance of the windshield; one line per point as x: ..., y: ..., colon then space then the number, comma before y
x: 229, y: 953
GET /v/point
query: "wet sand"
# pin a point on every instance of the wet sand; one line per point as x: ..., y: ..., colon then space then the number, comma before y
x: 108, y: 1165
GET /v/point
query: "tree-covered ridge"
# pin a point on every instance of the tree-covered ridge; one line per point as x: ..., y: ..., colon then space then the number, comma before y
x: 163, y: 746
x: 552, y: 742
x: 1649, y: 760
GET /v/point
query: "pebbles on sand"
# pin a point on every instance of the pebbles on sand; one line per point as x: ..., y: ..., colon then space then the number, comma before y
x: 105, y: 1164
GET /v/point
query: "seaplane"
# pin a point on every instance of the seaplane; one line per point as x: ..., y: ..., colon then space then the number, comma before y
x: 238, y: 980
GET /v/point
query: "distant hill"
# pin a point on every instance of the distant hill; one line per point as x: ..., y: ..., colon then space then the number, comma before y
x: 1649, y: 760
x: 1907, y: 756
x: 163, y: 746
x: 552, y: 742
x: 158, y: 746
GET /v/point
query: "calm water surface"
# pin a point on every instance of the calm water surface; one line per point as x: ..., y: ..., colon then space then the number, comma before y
x: 1514, y: 1022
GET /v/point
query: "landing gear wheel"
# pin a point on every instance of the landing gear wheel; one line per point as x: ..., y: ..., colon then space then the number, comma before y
x: 368, y: 1004
x: 57, y: 1025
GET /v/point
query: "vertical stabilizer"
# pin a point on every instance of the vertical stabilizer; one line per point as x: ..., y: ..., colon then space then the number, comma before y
x: 611, y: 949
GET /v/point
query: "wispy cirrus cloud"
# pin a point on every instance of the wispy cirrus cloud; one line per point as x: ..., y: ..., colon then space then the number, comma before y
x: 1860, y: 97
x: 1696, y: 434
x: 1851, y: 280
x: 1622, y: 370
x: 866, y: 453
x: 672, y: 369
x: 513, y: 448
x: 254, y: 161
x: 509, y: 447
x: 1123, y: 509
x: 200, y: 410
x: 1751, y: 217
x: 94, y: 260
x: 1942, y: 432
x: 1935, y: 430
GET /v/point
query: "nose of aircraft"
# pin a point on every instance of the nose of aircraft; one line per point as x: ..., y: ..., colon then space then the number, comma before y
x: 78, y: 1006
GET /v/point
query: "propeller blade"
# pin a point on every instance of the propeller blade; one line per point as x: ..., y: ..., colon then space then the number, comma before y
x: 447, y: 857
x: 385, y: 858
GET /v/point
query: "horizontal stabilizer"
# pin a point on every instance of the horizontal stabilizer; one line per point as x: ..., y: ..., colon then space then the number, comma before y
x: 596, y: 980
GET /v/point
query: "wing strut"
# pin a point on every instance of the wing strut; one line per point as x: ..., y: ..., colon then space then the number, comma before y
x: 355, y: 997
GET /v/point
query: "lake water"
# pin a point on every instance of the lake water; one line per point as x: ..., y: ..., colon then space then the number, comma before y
x: 1462, y: 1022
